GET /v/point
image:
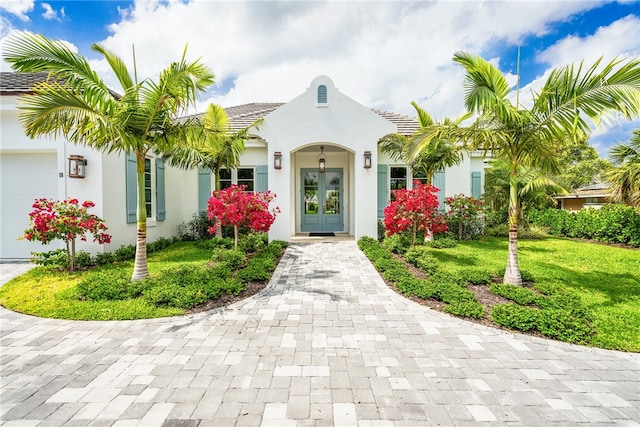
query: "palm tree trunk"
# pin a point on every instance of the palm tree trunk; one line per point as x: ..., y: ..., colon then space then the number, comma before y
x: 512, y: 272
x: 140, y: 268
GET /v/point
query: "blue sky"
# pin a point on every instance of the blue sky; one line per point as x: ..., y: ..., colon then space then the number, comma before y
x: 383, y: 54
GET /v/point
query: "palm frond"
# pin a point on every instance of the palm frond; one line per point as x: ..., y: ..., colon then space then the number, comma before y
x: 599, y: 92
x: 28, y: 52
x: 117, y: 66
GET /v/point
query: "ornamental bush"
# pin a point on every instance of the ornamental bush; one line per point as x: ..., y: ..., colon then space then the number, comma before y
x: 236, y: 207
x: 464, y: 216
x: 414, y: 210
x: 66, y: 220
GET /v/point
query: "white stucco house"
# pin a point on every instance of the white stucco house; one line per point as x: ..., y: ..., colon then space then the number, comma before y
x: 283, y: 155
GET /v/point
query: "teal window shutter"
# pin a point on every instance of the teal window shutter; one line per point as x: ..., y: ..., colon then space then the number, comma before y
x: 383, y: 190
x: 438, y: 182
x: 131, y: 192
x: 161, y: 210
x: 262, y: 178
x: 204, y: 189
x: 476, y: 188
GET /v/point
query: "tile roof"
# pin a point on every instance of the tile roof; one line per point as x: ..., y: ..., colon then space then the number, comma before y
x: 12, y: 83
x: 16, y: 83
x: 242, y: 116
x: 595, y: 190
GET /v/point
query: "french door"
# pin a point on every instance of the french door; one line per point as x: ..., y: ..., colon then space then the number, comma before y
x: 322, y: 200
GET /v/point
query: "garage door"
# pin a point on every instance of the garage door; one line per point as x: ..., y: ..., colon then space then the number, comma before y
x: 25, y: 177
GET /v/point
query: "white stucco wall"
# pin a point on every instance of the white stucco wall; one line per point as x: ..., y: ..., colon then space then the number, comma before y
x: 342, y: 122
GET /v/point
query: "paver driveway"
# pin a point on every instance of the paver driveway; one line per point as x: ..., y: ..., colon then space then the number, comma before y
x: 327, y: 343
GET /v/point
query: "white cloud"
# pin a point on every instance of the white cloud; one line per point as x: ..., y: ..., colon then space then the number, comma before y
x: 51, y: 13
x: 383, y: 54
x: 18, y: 8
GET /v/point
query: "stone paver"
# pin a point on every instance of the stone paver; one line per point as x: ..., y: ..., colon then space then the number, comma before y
x: 326, y: 343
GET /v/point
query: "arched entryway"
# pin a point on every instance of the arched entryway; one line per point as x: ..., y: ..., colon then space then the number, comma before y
x: 322, y: 191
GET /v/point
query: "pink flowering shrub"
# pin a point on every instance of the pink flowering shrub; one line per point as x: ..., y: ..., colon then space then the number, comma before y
x: 463, y: 212
x: 65, y: 220
x: 236, y: 207
x: 414, y: 210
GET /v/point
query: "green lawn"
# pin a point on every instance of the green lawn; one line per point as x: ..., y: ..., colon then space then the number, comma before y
x: 45, y: 292
x: 606, y: 278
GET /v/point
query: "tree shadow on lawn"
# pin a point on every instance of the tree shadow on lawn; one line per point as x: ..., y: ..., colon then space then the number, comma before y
x: 616, y: 287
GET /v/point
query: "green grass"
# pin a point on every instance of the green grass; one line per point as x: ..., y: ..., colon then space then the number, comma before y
x: 46, y: 292
x: 605, y: 278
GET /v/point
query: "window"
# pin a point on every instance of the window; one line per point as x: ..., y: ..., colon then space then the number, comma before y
x: 322, y: 94
x: 397, y: 179
x: 592, y: 201
x: 225, y: 178
x: 245, y: 177
x: 240, y: 176
x: 419, y: 175
x: 147, y: 186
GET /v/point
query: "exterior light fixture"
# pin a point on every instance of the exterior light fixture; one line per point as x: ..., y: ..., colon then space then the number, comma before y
x: 277, y: 160
x: 77, y: 166
x: 322, y: 160
x: 367, y: 159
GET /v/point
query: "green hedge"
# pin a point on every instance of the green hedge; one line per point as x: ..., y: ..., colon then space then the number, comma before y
x: 612, y: 223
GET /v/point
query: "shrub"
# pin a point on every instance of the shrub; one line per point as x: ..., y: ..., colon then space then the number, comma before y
x: 501, y: 230
x: 471, y: 309
x: 477, y: 277
x: 514, y: 316
x: 83, y: 259
x: 125, y: 253
x: 522, y: 296
x: 493, y: 218
x: 398, y: 243
x: 441, y: 243
x: 252, y: 242
x: 56, y: 258
x: 187, y: 286
x: 230, y: 257
x: 451, y: 292
x: 112, y: 284
x: 214, y: 243
x: 105, y: 258
x: 612, y: 224
x: 259, y: 267
x: 565, y: 325
x: 414, y: 254
x: 197, y: 228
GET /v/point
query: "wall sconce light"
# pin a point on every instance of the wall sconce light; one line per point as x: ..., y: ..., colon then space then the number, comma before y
x: 367, y: 159
x: 322, y: 160
x: 277, y: 160
x: 77, y: 166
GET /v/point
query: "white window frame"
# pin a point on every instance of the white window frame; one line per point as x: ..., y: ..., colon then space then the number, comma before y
x: 234, y: 175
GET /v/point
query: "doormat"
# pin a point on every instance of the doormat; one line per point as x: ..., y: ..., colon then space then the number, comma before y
x: 330, y: 234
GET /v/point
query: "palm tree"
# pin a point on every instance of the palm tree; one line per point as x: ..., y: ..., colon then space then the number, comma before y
x: 535, y: 189
x: 218, y: 147
x: 532, y: 137
x: 625, y: 177
x: 432, y: 157
x: 75, y: 103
